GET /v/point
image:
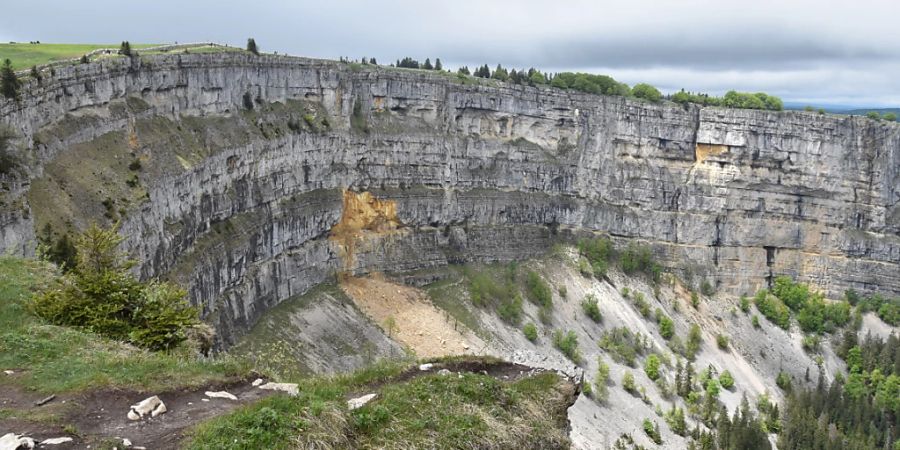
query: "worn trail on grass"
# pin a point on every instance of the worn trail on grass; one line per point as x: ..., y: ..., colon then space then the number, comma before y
x: 99, y: 416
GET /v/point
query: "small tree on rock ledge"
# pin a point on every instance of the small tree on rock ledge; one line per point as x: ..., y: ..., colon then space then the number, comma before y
x: 9, y: 83
x: 251, y: 46
x: 125, y: 49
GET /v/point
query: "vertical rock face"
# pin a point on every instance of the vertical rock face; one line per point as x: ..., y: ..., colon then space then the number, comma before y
x: 245, y: 159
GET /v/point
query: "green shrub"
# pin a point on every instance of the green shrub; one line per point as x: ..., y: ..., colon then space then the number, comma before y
x: 642, y: 305
x: 590, y: 308
x: 811, y: 343
x: 889, y: 116
x: 586, y: 388
x: 722, y: 341
x: 772, y: 308
x: 510, y: 310
x: 567, y: 343
x: 726, y: 380
x: 584, y: 267
x: 639, y: 259
x: 628, y: 382
x: 695, y: 300
x: 783, y: 381
x: 530, y: 331
x: 745, y: 304
x: 712, y: 388
x: 652, y: 431
x: 592, y: 84
x: 706, y: 288
x: 646, y: 92
x: 675, y: 419
x: 666, y: 327
x: 101, y: 295
x: 601, y: 389
x: 623, y: 345
x: 563, y: 292
x: 651, y: 367
x: 695, y: 338
x: 538, y: 289
x: 755, y: 321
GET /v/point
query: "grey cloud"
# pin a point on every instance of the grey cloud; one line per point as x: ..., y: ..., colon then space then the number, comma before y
x: 809, y: 49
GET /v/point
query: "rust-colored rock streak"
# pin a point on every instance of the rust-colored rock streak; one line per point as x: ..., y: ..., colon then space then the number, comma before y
x: 363, y: 216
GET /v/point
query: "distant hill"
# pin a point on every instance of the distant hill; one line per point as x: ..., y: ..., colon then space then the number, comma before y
x: 882, y: 111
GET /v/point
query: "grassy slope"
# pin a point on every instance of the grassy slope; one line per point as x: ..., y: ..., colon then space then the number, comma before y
x: 53, y: 359
x: 428, y: 411
x: 26, y: 55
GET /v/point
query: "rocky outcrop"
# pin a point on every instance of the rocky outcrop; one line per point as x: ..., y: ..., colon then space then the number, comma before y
x: 244, y: 161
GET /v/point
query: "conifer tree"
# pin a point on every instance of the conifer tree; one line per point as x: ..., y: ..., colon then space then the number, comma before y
x: 125, y: 49
x: 427, y: 65
x: 438, y: 65
x: 251, y: 46
x: 9, y: 83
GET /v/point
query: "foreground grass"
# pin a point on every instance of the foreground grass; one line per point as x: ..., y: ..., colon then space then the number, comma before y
x: 26, y: 55
x: 428, y: 411
x: 58, y: 359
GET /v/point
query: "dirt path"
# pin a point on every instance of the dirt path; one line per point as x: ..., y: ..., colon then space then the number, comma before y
x: 416, y: 322
x: 100, y: 416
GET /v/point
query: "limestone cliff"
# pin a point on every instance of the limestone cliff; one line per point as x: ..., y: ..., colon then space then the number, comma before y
x: 228, y: 173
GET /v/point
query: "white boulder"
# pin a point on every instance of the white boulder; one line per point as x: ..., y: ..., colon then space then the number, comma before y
x: 290, y: 388
x: 56, y: 441
x: 360, y: 401
x: 221, y: 394
x: 151, y: 406
x: 12, y: 441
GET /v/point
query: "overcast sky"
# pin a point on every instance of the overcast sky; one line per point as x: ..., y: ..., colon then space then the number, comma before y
x: 818, y: 52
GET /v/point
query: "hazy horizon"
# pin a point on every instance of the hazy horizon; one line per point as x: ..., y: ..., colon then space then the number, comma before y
x: 804, y: 52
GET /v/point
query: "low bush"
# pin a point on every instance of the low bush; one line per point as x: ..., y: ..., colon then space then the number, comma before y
x: 590, y: 308
x: 726, y: 380
x: 628, y: 382
x: 772, y: 308
x: 623, y: 345
x: 652, y: 431
x: 530, y: 331
x: 567, y: 343
x: 695, y: 338
x: 538, y: 289
x: 651, y: 367
x: 101, y: 295
x: 722, y: 341
x: 666, y: 327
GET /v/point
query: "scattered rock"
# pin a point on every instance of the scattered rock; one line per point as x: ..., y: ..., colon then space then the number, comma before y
x: 204, y: 399
x: 258, y: 382
x: 126, y: 443
x: 360, y: 401
x: 45, y: 401
x: 290, y: 388
x: 425, y: 367
x: 221, y: 394
x: 465, y: 346
x: 11, y: 441
x: 56, y: 441
x: 152, y: 406
x: 444, y: 372
x: 9, y: 372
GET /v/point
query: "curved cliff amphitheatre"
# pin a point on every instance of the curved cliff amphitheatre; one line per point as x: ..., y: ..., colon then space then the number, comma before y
x: 344, y: 214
